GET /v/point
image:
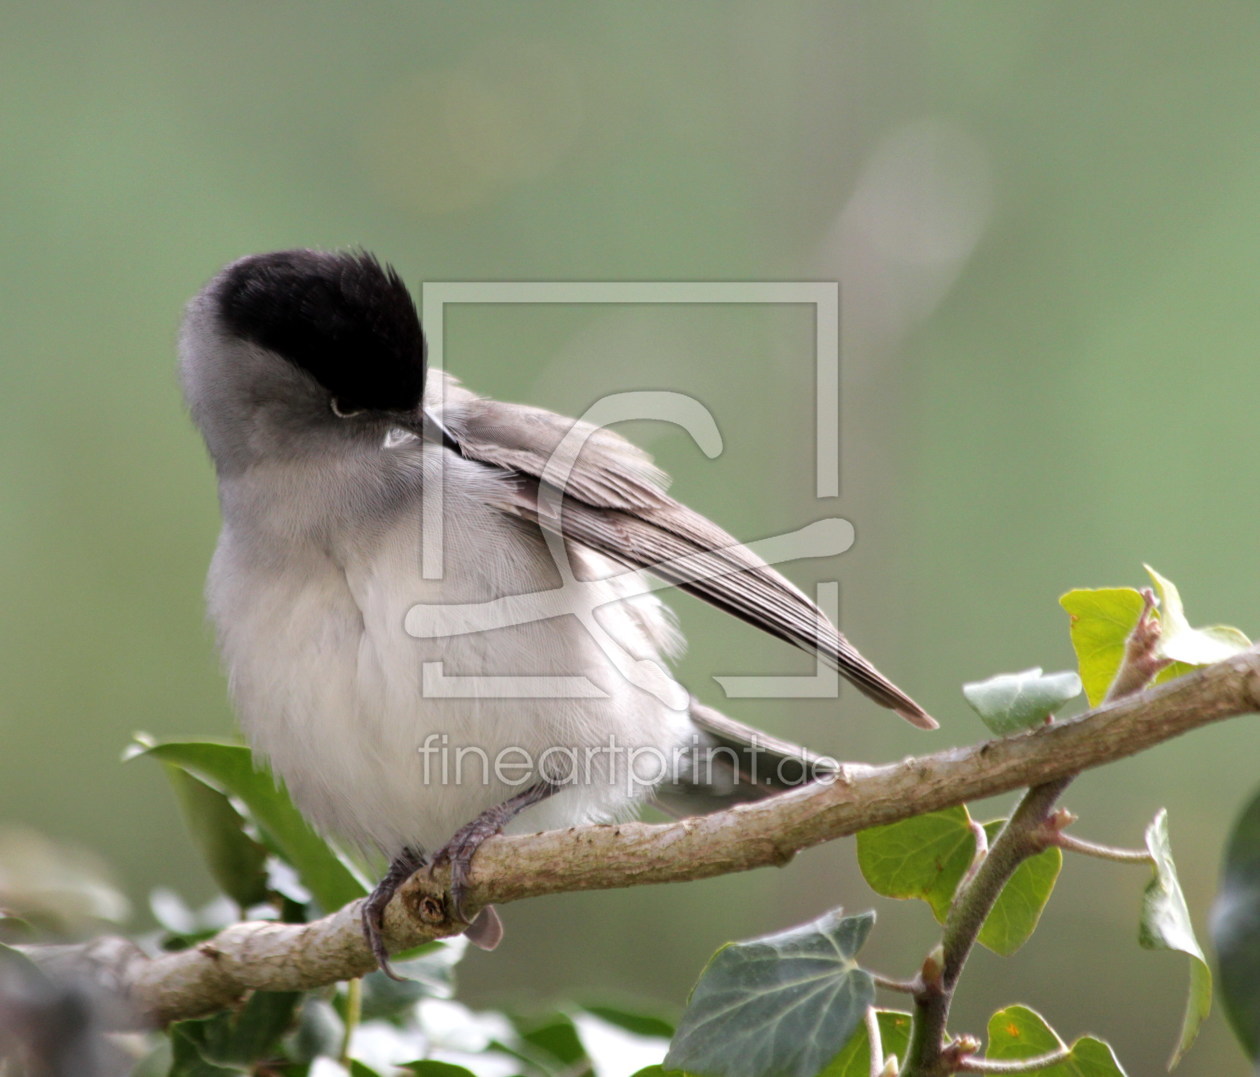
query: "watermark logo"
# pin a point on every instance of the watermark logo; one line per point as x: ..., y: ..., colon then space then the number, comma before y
x: 582, y: 598
x: 639, y: 768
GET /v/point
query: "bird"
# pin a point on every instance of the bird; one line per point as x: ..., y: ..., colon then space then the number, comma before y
x: 349, y: 665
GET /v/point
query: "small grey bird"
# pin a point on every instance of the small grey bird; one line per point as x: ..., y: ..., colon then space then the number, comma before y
x: 306, y: 373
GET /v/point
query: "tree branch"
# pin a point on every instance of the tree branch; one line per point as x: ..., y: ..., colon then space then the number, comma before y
x: 287, y: 957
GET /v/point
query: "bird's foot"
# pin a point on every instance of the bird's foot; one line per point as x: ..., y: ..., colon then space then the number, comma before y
x: 406, y: 864
x: 460, y: 850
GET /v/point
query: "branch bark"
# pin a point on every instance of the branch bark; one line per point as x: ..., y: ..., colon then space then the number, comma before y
x: 287, y: 957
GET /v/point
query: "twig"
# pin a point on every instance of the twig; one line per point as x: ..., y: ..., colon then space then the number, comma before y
x: 288, y: 957
x: 1071, y: 844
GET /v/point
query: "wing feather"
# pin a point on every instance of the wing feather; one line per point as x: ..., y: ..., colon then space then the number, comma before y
x: 594, y: 488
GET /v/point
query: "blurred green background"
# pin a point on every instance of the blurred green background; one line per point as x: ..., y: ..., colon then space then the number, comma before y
x: 1046, y: 226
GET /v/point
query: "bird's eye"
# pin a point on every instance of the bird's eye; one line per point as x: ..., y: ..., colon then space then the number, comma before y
x: 344, y: 413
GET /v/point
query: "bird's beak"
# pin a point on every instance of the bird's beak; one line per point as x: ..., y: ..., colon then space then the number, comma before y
x: 424, y: 424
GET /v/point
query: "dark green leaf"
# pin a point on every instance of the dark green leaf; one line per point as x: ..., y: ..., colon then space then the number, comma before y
x: 1018, y: 1033
x: 236, y: 862
x: 187, y: 1058
x: 358, y: 1069
x: 231, y: 768
x: 245, y: 1036
x: 1236, y: 929
x: 641, y: 1024
x: 1165, y: 925
x: 1011, y: 702
x: 854, y: 1059
x: 554, y: 1035
x: 779, y: 1006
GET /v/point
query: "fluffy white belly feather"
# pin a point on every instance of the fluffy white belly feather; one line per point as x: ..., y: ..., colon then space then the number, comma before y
x: 338, y: 699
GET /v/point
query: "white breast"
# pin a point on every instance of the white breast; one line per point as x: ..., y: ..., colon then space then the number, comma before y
x: 334, y: 691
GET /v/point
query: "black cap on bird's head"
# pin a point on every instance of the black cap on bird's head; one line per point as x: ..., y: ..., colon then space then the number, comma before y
x: 343, y: 318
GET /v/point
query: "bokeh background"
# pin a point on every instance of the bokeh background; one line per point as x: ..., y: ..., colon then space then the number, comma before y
x: 1045, y: 224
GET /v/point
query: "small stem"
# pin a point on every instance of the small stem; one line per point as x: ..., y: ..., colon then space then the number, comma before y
x: 1023, y: 1065
x: 1141, y: 659
x: 1019, y: 839
x: 906, y: 987
x: 1103, y: 852
x: 982, y: 850
x: 875, y: 1040
x: 354, y: 1010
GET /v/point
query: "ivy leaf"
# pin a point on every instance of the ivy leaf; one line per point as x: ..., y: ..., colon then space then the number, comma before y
x: 1191, y: 646
x: 1019, y: 906
x: 238, y: 1038
x: 927, y: 856
x: 778, y: 1006
x: 854, y: 1059
x: 1011, y: 702
x: 1236, y: 929
x: 236, y: 862
x: 1165, y: 925
x: 1017, y: 1033
x: 922, y: 857
x: 1100, y: 621
x: 231, y: 768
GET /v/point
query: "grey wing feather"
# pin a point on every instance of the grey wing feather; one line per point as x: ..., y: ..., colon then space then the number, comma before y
x: 614, y: 501
x: 730, y: 763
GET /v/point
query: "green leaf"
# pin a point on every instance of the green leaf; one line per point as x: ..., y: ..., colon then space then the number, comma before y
x: 854, y: 1059
x: 14, y: 928
x: 553, y: 1035
x: 1236, y: 929
x: 1191, y: 646
x: 922, y: 857
x: 236, y: 862
x: 231, y: 768
x: 927, y: 856
x: 641, y: 1024
x: 779, y: 1006
x: 241, y: 1037
x: 1018, y: 1033
x: 1100, y: 622
x: 1165, y: 925
x: 1011, y: 702
x: 187, y: 1059
x: 1018, y: 909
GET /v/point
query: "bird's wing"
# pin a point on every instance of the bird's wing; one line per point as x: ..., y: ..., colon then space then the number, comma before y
x: 610, y: 498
